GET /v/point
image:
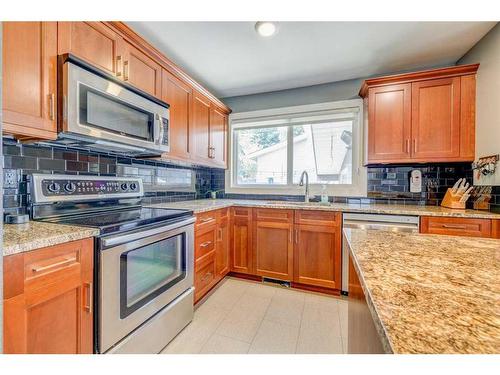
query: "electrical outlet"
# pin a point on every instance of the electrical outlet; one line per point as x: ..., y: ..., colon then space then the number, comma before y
x: 10, y: 179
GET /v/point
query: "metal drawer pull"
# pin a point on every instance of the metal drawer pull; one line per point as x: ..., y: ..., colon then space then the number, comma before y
x: 54, y: 265
x: 296, y: 236
x: 207, y: 276
x: 52, y: 107
x: 125, y: 70
x: 118, y: 60
x: 88, y: 307
x: 207, y: 219
x: 205, y: 244
x: 407, y: 146
x: 456, y: 226
x: 220, y: 234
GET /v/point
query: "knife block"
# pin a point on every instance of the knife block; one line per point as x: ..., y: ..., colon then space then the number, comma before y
x: 451, y: 200
x: 483, y: 205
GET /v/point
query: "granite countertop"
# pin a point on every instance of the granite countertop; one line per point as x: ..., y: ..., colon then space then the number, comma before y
x: 18, y: 238
x: 430, y: 293
x: 203, y: 205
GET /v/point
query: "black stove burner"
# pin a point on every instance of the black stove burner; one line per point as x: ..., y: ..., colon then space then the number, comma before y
x: 123, y: 219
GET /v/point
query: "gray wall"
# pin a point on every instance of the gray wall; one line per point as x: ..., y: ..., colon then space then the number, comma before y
x: 327, y: 92
x: 487, y: 53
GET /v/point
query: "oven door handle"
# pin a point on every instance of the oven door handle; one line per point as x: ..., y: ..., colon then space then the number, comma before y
x: 120, y: 239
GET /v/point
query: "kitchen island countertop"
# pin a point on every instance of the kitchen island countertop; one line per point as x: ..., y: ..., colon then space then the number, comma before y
x: 430, y: 293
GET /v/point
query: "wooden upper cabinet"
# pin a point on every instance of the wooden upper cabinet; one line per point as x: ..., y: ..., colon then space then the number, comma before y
x: 218, y: 137
x: 390, y: 122
x: 48, y: 305
x: 201, y: 128
x: 180, y: 97
x: 29, y: 79
x: 435, y: 118
x: 141, y: 71
x: 426, y: 116
x: 93, y: 42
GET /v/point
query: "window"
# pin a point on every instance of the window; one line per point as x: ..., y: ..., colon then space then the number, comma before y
x: 270, y: 150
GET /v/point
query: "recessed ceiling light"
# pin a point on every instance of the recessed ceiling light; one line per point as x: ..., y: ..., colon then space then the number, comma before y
x: 265, y: 28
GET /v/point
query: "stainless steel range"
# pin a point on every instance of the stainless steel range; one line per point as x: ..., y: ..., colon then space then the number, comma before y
x: 143, y: 257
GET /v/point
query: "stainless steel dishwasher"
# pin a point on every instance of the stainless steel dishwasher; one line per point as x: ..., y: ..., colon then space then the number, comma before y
x: 394, y: 223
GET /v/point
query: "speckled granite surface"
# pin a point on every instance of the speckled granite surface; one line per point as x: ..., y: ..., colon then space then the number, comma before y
x: 203, y: 205
x: 18, y: 238
x: 429, y: 293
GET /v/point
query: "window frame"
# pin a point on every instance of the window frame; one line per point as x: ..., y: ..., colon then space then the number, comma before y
x: 358, y: 187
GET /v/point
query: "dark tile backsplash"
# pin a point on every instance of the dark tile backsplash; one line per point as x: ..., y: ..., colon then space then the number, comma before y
x: 386, y: 184
x: 27, y: 159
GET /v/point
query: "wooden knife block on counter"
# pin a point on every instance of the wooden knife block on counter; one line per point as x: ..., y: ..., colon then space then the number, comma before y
x: 451, y: 200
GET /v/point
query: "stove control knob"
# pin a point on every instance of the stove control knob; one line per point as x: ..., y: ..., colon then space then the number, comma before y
x: 70, y: 187
x: 54, y: 187
x: 133, y: 186
x: 124, y: 186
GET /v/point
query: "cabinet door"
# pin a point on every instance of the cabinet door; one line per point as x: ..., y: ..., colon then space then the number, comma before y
x: 241, y: 240
x: 201, y: 128
x: 218, y: 137
x: 49, y: 307
x: 389, y: 122
x: 142, y: 71
x: 29, y: 79
x: 222, y: 249
x: 436, y: 119
x: 274, y: 250
x: 94, y: 42
x: 318, y: 255
x: 179, y: 95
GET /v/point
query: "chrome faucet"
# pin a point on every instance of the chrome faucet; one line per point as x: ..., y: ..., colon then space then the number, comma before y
x: 301, y: 183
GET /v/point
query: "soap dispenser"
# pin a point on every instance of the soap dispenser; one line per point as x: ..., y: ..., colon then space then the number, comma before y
x: 324, y: 194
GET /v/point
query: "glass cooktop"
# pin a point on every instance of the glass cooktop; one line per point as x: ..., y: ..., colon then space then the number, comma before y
x: 123, y: 219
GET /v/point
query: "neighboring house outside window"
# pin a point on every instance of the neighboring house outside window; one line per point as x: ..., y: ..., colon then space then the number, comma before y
x: 271, y: 148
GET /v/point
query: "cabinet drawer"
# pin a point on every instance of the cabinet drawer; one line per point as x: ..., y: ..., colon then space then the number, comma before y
x: 456, y: 226
x: 205, y: 243
x: 241, y: 212
x: 273, y: 214
x: 204, y: 275
x: 308, y: 217
x: 223, y: 213
x: 206, y: 219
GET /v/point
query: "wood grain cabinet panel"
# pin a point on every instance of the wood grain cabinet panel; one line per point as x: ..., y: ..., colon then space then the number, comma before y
x: 456, y: 226
x: 435, y: 118
x: 426, y: 116
x: 93, y: 42
x: 222, y: 249
x: 29, y: 79
x: 142, y: 71
x: 201, y: 128
x: 390, y: 123
x: 179, y: 95
x: 218, y: 137
x: 241, y: 240
x: 50, y: 309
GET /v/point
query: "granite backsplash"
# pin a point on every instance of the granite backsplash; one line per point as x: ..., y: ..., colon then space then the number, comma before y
x: 386, y: 184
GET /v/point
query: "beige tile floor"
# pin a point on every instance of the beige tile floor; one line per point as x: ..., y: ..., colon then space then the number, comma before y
x: 247, y: 317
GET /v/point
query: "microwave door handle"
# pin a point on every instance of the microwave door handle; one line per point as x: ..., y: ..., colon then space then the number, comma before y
x: 159, y: 122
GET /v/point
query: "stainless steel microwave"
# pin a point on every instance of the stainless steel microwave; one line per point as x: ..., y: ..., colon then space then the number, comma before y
x: 101, y: 113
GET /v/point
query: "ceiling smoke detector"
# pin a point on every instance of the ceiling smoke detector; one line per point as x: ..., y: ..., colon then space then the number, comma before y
x: 265, y: 28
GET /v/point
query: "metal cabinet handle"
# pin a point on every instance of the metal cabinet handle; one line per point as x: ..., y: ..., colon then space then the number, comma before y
x: 90, y: 302
x: 118, y: 70
x: 52, y: 107
x: 205, y: 244
x: 415, y: 146
x: 296, y: 236
x: 54, y: 265
x: 291, y: 236
x: 220, y: 234
x: 207, y: 219
x: 125, y: 70
x: 407, y: 146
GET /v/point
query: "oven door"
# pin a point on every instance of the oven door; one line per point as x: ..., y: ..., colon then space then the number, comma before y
x: 140, y: 273
x: 102, y: 110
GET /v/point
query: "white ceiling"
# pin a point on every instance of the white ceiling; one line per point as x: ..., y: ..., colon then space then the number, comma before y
x: 230, y: 59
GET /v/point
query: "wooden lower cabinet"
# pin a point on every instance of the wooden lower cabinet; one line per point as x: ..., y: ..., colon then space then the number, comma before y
x: 241, y: 240
x: 48, y: 300
x: 317, y: 255
x: 212, y: 238
x: 458, y: 226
